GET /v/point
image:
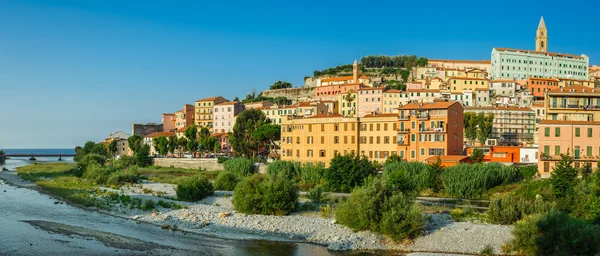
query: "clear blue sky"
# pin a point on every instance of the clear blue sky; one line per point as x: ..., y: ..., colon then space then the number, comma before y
x: 72, y: 71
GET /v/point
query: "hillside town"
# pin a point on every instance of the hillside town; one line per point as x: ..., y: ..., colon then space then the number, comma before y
x: 536, y: 102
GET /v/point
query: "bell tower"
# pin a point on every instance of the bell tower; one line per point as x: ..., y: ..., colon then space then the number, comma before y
x: 355, y: 71
x: 541, y: 38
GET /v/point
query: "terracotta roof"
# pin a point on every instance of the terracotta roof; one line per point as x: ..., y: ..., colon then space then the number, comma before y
x: 392, y: 91
x: 574, y: 89
x: 228, y: 103
x: 569, y: 122
x: 381, y: 115
x: 543, y: 53
x: 463, y: 61
x: 545, y: 79
x: 342, y: 78
x: 447, y: 158
x: 160, y: 134
x: 503, y: 81
x: 182, y: 129
x: 210, y: 98
x: 430, y: 105
x: 372, y: 89
x: 498, y: 108
x: 424, y: 90
x: 467, y: 78
x: 537, y: 105
x: 168, y: 114
x: 437, y: 78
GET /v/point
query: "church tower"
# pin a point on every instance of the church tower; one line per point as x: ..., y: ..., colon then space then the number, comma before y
x: 541, y: 39
x: 355, y: 72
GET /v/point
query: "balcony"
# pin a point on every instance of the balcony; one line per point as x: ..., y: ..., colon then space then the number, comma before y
x: 403, y: 130
x: 433, y: 130
x: 404, y: 118
x: 403, y: 143
x: 423, y: 117
x: 576, y: 106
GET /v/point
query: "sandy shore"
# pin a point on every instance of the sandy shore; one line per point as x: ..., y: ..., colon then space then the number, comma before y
x: 214, y: 216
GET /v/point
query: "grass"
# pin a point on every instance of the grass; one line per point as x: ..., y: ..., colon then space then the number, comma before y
x: 173, y: 175
x: 37, y: 171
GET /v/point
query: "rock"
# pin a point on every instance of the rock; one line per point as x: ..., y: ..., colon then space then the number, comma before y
x: 154, y: 214
x: 135, y: 217
x: 166, y: 217
x: 333, y: 221
x: 165, y: 226
x: 224, y: 214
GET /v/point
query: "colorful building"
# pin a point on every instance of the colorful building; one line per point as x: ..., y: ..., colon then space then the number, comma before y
x: 204, y: 111
x: 575, y: 103
x: 168, y: 122
x: 225, y: 115
x: 378, y: 133
x: 500, y: 154
x: 260, y: 104
x: 460, y: 64
x: 430, y: 129
x: 348, y: 103
x: 184, y: 117
x: 370, y: 100
x: 391, y: 101
x: 148, y: 140
x: 578, y: 138
x: 539, y: 86
x: 513, y: 126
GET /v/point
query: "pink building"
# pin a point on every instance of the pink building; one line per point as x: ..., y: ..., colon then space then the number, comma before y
x: 184, y: 117
x: 331, y: 92
x: 225, y: 114
x: 223, y: 139
x: 414, y: 86
x: 168, y: 121
x: 370, y: 100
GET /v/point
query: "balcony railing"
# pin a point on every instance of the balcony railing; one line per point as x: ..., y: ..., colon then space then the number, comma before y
x: 404, y: 117
x: 402, y: 143
x: 575, y: 106
x: 423, y: 117
x: 432, y: 130
x: 403, y: 130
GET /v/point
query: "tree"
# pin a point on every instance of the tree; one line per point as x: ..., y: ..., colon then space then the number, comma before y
x: 172, y: 144
x: 209, y: 143
x: 204, y: 133
x: 135, y: 142
x: 564, y: 177
x: 242, y: 139
x: 142, y: 156
x: 281, y: 101
x: 477, y: 155
x: 280, y: 85
x: 348, y: 171
x: 112, y: 147
x: 267, y: 135
x: 485, y: 124
x: 470, y: 123
x: 192, y: 142
x: 181, y: 145
x: 438, y: 168
x: 163, y: 145
x: 236, y: 99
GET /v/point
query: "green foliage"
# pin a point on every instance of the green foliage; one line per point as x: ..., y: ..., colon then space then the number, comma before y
x: 142, y: 156
x: 312, y: 173
x: 194, y: 188
x: 226, y: 180
x: 90, y: 159
x: 316, y: 194
x: 191, y: 134
x: 511, y: 208
x: 473, y: 180
x: 242, y: 140
x: 346, y: 172
x: 528, y: 172
x: 458, y: 214
x: 333, y: 71
x: 393, y: 159
x: 112, y: 147
x: 123, y: 162
x: 273, y: 195
x: 487, y: 250
x: 267, y: 135
x: 409, y: 177
x: 398, y: 61
x: 98, y: 174
x: 123, y: 176
x: 135, y: 142
x: 376, y: 207
x: 437, y: 168
x: 555, y: 234
x: 90, y: 147
x: 222, y: 159
x: 478, y: 126
x: 477, y: 155
x: 241, y: 167
x: 287, y: 169
x: 564, y: 177
x: 280, y: 85
x: 148, y: 205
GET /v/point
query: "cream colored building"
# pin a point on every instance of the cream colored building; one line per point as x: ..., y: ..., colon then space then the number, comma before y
x: 204, y: 111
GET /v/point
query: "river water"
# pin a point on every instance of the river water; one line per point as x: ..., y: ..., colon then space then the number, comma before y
x: 21, y: 238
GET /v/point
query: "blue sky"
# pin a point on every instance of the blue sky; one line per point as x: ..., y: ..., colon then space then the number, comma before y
x: 72, y: 71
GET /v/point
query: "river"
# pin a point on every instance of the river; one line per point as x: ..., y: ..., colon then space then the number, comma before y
x: 22, y: 238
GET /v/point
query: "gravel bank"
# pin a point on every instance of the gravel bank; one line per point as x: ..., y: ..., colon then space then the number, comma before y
x: 215, y: 216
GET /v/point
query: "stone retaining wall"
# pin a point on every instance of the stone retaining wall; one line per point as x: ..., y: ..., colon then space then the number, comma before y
x: 209, y: 164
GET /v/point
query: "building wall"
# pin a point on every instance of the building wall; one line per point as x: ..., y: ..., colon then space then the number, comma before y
x: 461, y: 64
x: 378, y: 136
x: 331, y: 92
x: 513, y: 126
x: 204, y: 111
x: 146, y: 129
x: 370, y: 100
x: 348, y: 108
x: 529, y: 154
x: 539, y: 86
x: 522, y: 64
x: 168, y: 122
x: 391, y: 101
x: 459, y: 84
x: 225, y: 116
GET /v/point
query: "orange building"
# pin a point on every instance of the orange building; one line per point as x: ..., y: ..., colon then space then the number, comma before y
x: 500, y: 154
x: 430, y: 129
x: 539, y: 86
x: 448, y: 161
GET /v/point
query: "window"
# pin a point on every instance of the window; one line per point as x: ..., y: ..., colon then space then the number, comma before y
x: 413, y: 154
x: 588, y: 151
x: 336, y: 140
x: 557, y: 150
x: 297, y: 140
x: 422, y: 151
x: 309, y: 153
x: 547, y: 150
x: 386, y: 140
x: 345, y: 139
x: 322, y: 127
x: 336, y: 127
x: 371, y: 140
x: 322, y: 140
x: 322, y: 153
x: 363, y: 140
x: 589, y: 133
x: 577, y: 131
x: 412, y: 137
x: 557, y: 132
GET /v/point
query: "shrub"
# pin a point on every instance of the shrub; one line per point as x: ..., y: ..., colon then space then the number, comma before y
x: 92, y: 159
x: 458, y: 214
x: 148, y: 205
x: 418, y: 175
x: 226, y: 180
x: 376, y: 207
x: 527, y: 172
x: 287, y: 169
x: 487, y: 250
x: 97, y: 174
x: 564, y: 177
x: 346, y: 172
x: 241, y: 167
x: 194, y: 188
x: 312, y: 173
x: 555, y: 233
x: 472, y: 180
x: 142, y: 156
x: 316, y: 195
x: 222, y: 159
x: 272, y: 195
x: 511, y: 208
x: 124, y: 162
x: 122, y: 177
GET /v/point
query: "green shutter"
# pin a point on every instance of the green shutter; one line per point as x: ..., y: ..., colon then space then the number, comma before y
x: 589, y: 151
x: 577, y: 132
x: 557, y: 132
x: 557, y: 150
x: 547, y: 150
x: 589, y: 132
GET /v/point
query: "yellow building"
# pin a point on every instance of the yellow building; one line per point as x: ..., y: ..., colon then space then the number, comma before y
x: 391, y: 101
x: 459, y: 84
x: 378, y: 136
x: 573, y: 103
x: 318, y: 138
x: 434, y: 83
x: 204, y: 111
x: 461, y: 64
x: 274, y: 113
x: 348, y: 103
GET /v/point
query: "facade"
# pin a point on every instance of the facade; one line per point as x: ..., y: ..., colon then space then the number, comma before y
x: 184, y: 117
x: 318, y: 138
x: 577, y: 138
x: 420, y: 96
x: 459, y: 84
x: 145, y: 129
x: 223, y: 139
x: 523, y: 64
x: 513, y: 126
x: 500, y: 154
x: 331, y: 92
x: 225, y: 115
x: 430, y: 129
x: 275, y: 113
x: 260, y: 104
x: 504, y: 88
x: 539, y: 86
x: 391, y: 101
x: 122, y: 143
x: 370, y: 100
x: 377, y: 136
x: 204, y: 111
x: 308, y: 109
x: 529, y: 154
x: 348, y: 103
x: 168, y: 122
x: 354, y: 79
x: 148, y: 140
x: 461, y: 64
x: 575, y: 103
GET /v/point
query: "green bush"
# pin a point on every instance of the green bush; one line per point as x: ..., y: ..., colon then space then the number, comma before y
x: 316, y: 194
x: 124, y: 162
x: 512, y: 208
x: 226, y: 180
x: 458, y: 214
x: 148, y: 205
x: 194, y: 188
x: 409, y: 177
x: 555, y: 233
x: 92, y: 159
x: 97, y: 174
x: 528, y: 172
x: 473, y: 180
x: 122, y: 177
x: 241, y: 167
x: 222, y: 159
x: 376, y: 207
x: 273, y: 195
x: 346, y: 172
x: 312, y: 173
x: 564, y: 177
x: 287, y: 169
